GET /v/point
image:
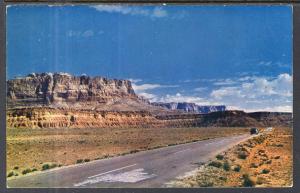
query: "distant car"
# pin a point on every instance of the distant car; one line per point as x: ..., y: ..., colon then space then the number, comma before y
x: 253, y: 131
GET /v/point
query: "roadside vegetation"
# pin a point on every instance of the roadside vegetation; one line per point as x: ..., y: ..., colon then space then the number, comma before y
x: 262, y: 161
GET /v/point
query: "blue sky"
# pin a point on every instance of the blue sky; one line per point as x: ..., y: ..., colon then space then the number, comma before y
x: 240, y: 56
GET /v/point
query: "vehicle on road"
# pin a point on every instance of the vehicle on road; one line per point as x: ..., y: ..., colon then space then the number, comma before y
x: 253, y: 131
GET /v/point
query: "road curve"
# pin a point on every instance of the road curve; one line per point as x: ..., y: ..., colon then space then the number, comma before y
x: 151, y: 168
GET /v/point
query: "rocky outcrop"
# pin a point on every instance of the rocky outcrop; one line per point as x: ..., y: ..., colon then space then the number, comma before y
x: 273, y: 118
x: 190, y: 107
x: 48, y: 88
x: 235, y: 119
x: 59, y: 118
x: 45, y: 117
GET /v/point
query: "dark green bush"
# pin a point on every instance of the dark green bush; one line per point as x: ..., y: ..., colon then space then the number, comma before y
x: 265, y: 171
x: 134, y: 151
x: 215, y: 164
x: 226, y: 166
x: 223, y: 178
x: 46, y: 167
x: 86, y: 160
x: 247, y: 181
x: 34, y: 170
x: 10, y: 174
x: 79, y: 161
x: 26, y: 171
x: 220, y: 157
x: 16, y: 167
x: 237, y: 168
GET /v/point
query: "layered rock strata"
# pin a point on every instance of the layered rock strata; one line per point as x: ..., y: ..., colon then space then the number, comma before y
x: 49, y: 89
x: 60, y: 118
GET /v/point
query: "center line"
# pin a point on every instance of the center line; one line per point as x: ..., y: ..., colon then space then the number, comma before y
x: 112, y: 171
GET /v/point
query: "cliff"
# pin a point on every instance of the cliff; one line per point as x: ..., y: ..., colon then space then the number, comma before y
x: 45, y: 117
x: 48, y: 88
x: 234, y: 119
x: 190, y: 107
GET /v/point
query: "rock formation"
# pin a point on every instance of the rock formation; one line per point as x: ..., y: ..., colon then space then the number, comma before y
x: 59, y: 100
x: 48, y: 88
x: 190, y: 107
x: 45, y: 117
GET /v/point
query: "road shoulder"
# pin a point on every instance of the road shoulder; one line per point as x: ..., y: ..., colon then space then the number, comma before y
x: 262, y: 161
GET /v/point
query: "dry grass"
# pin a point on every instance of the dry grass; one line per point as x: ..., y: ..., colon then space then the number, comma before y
x: 38, y: 148
x: 269, y: 163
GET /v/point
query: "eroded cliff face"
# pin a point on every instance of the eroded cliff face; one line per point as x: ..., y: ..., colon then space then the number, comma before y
x: 57, y: 118
x: 60, y: 100
x: 50, y: 89
x: 46, y: 117
x: 191, y: 107
x: 234, y: 119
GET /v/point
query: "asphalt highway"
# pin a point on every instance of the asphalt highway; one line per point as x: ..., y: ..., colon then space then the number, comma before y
x: 153, y: 168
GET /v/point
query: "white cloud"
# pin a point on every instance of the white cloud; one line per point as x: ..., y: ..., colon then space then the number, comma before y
x: 157, y: 12
x: 88, y: 33
x: 246, y: 78
x: 200, y: 89
x: 281, y: 85
x: 226, y: 91
x: 224, y: 82
x: 144, y: 87
x: 85, y: 34
x: 135, y: 80
x: 265, y: 63
x: 286, y: 108
x: 258, y: 93
x: 151, y: 97
x: 180, y: 98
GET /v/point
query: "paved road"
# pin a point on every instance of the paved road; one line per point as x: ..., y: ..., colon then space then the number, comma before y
x: 151, y: 168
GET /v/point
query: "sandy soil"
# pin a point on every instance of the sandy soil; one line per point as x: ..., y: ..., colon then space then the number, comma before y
x: 31, y: 149
x: 263, y: 161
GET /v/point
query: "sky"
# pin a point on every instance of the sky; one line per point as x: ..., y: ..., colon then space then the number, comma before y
x: 238, y: 56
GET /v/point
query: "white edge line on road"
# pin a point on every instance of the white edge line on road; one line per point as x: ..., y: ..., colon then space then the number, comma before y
x: 112, y: 171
